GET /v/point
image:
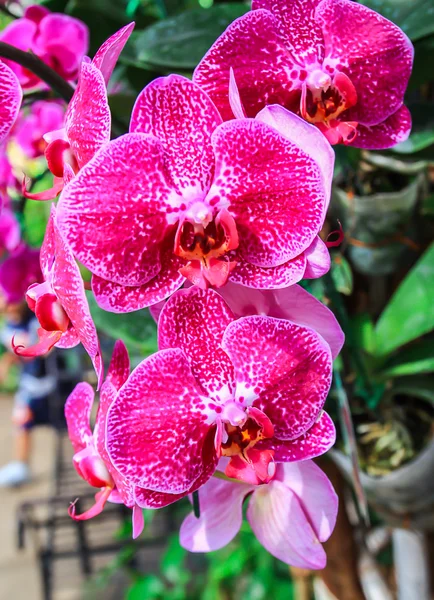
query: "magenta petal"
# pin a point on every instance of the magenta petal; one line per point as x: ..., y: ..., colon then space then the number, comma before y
x: 113, y: 212
x: 138, y: 521
x: 270, y: 278
x: 317, y: 259
x: 274, y: 191
x: 305, y: 136
x: 68, y: 286
x: 121, y: 299
x: 292, y: 303
x: 315, y: 442
x: 252, y: 46
x: 107, y: 55
x: 69, y: 339
x: 297, y: 25
x: 156, y: 422
x: 87, y: 120
x: 221, y: 515
x: 194, y: 320
x: 119, y: 367
x: 150, y: 499
x: 285, y: 369
x: 182, y: 117
x: 393, y: 130
x: 279, y: 522
x: 10, y: 99
x: 77, y: 412
x: 375, y: 53
x: 315, y: 493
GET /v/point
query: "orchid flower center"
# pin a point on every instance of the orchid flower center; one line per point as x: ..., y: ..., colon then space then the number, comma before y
x: 324, y: 98
x: 203, y: 240
x: 241, y: 439
x: 59, y: 153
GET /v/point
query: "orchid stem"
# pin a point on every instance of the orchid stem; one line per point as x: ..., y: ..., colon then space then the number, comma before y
x: 196, y: 505
x: 38, y: 67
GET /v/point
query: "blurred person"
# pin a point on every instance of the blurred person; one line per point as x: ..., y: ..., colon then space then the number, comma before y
x: 34, y: 388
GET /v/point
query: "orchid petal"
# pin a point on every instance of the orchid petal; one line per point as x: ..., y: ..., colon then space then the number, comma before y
x: 317, y: 259
x: 138, y: 521
x: 100, y: 501
x: 375, y: 53
x: 278, y: 520
x: 119, y: 367
x: 113, y: 212
x: 220, y: 518
x: 252, y: 46
x: 182, y: 117
x: 78, y: 407
x: 107, y: 55
x: 392, y: 131
x: 234, y: 97
x: 68, y: 286
x: 292, y: 303
x: 49, y: 194
x: 194, y: 320
x: 157, y: 418
x: 46, y: 340
x: 304, y: 135
x: 121, y: 299
x: 316, y: 441
x: 274, y: 191
x: 10, y: 100
x: 285, y: 369
x: 270, y: 278
x: 88, y: 119
x: 298, y: 28
x: 69, y: 339
x: 315, y: 493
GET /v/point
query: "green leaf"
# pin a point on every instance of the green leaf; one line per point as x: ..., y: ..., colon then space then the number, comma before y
x: 418, y: 387
x: 180, y: 42
x: 137, y: 329
x: 427, y: 207
x: 417, y: 358
x: 172, y: 563
x: 148, y: 588
x: 342, y: 274
x: 415, y: 17
x: 363, y: 332
x: 410, y: 312
x: 36, y: 216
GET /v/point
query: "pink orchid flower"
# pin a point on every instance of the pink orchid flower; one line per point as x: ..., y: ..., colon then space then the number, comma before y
x: 20, y: 270
x: 10, y: 234
x: 60, y: 302
x: 11, y: 95
x: 290, y: 515
x: 91, y: 460
x: 87, y: 119
x: 30, y: 130
x: 185, y: 196
x: 57, y: 39
x: 338, y: 64
x: 251, y: 389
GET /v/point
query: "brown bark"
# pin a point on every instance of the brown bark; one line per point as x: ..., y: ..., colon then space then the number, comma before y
x: 341, y: 575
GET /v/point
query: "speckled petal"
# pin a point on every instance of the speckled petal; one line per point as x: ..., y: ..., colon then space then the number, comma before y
x: 88, y: 119
x: 392, y: 131
x: 10, y: 99
x: 316, y: 441
x: 78, y: 407
x: 121, y: 299
x: 113, y: 213
x: 262, y: 66
x: 158, y: 436
x: 283, y: 368
x: 182, y: 117
x: 301, y: 33
x: 107, y: 55
x: 273, y: 190
x: 375, y: 54
x: 271, y: 278
x: 68, y: 287
x: 119, y: 367
x: 195, y: 320
x: 317, y: 259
